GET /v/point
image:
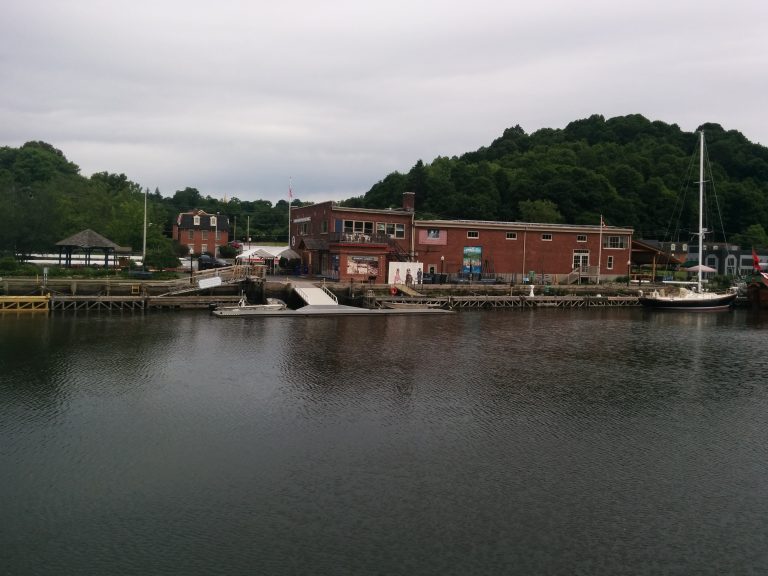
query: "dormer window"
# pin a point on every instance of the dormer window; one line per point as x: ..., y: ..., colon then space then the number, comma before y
x: 213, y: 220
x: 196, y: 220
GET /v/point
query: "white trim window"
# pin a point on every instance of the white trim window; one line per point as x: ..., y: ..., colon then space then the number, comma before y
x: 609, y: 265
x: 615, y: 242
x: 213, y: 220
x: 546, y: 237
x: 473, y: 234
x: 581, y: 238
x: 511, y: 235
x: 196, y: 220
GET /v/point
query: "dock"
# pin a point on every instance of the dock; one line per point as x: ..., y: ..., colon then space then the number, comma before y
x: 452, y: 302
x: 307, y: 297
x: 24, y: 303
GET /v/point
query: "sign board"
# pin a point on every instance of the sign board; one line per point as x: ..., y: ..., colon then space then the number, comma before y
x: 211, y: 282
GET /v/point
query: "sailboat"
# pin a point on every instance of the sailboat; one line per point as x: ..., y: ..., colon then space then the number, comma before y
x: 697, y: 298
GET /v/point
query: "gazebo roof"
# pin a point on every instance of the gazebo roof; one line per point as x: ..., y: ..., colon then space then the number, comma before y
x: 87, y: 239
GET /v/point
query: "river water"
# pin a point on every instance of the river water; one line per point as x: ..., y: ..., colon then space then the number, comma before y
x: 616, y: 441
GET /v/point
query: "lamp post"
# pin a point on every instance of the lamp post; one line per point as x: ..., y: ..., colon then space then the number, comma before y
x: 215, y: 235
x: 442, y: 268
x: 191, y: 250
x: 629, y: 271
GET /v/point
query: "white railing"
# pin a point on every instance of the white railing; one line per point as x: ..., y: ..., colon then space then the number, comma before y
x: 331, y: 294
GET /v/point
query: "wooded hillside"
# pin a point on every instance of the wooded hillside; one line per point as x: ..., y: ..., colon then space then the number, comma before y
x: 628, y: 169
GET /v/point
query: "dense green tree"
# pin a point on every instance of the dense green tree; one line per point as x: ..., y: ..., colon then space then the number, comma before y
x: 540, y: 211
x: 754, y: 236
x: 633, y: 171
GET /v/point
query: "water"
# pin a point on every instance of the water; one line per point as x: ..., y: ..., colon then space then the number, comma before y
x: 508, y: 442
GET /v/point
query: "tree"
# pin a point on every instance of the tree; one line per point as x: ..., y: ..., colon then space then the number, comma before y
x: 541, y: 211
x: 754, y: 236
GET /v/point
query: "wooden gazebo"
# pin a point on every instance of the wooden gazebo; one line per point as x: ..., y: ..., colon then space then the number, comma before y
x: 86, y: 241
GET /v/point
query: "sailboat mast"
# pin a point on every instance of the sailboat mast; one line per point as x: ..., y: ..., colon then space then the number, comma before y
x: 701, y: 209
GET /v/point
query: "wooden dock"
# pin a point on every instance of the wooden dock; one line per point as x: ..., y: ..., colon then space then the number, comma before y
x: 484, y: 301
x: 24, y: 303
x: 137, y: 303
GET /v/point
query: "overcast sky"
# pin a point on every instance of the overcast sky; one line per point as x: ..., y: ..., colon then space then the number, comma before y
x: 239, y: 98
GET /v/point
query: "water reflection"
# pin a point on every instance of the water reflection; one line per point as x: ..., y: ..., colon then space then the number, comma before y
x: 549, y: 441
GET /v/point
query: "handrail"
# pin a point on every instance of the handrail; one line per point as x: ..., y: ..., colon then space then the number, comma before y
x: 331, y: 294
x: 303, y: 295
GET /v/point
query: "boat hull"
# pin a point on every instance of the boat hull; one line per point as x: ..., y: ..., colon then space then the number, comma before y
x: 273, y: 305
x: 707, y: 302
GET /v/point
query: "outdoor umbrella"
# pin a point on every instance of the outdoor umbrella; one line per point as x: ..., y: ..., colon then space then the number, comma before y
x: 700, y: 267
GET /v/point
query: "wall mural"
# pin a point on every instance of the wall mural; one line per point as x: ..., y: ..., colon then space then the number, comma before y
x: 364, y: 265
x: 408, y: 273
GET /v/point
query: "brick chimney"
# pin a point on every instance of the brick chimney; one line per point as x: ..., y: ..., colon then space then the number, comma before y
x: 409, y: 201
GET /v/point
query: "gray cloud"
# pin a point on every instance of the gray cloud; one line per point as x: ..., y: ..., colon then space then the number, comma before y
x: 234, y: 98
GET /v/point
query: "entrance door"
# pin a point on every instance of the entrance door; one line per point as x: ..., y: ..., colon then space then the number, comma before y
x: 580, y: 259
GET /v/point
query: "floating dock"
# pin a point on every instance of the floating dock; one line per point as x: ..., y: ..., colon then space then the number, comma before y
x: 24, y: 303
x: 341, y: 310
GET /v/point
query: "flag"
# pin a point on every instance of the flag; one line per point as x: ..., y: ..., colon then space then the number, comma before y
x: 290, y: 193
x: 602, y: 222
x: 755, y: 260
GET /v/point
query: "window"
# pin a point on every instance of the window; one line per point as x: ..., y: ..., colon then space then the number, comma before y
x: 615, y: 242
x: 610, y: 263
x: 433, y: 233
x: 324, y: 227
x: 204, y: 234
x: 358, y: 227
x: 581, y: 238
x: 473, y: 234
x: 303, y: 228
x: 671, y: 247
x: 395, y: 230
x: 196, y: 220
x: 546, y: 237
x: 190, y: 234
x: 203, y: 248
x: 511, y: 235
x: 213, y: 220
x: 685, y: 247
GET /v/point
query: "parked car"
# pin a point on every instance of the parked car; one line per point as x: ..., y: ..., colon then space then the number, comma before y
x: 206, y: 262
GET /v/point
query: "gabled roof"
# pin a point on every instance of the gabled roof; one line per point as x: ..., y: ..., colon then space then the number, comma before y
x: 186, y: 220
x: 87, y: 239
x: 313, y: 243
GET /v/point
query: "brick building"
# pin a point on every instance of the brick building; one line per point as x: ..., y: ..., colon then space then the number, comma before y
x: 358, y: 244
x: 201, y: 232
x: 351, y: 243
x: 519, y: 250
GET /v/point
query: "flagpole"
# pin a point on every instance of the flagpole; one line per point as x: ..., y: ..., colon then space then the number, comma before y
x: 144, y: 243
x: 600, y: 250
x: 290, y: 198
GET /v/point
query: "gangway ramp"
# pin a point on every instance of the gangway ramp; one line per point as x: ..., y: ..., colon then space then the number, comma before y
x: 316, y: 296
x: 405, y: 289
